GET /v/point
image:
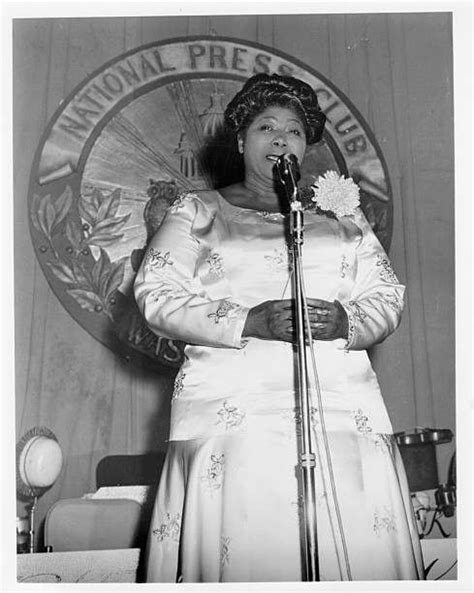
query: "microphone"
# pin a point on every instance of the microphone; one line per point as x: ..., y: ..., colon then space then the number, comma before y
x: 288, y: 170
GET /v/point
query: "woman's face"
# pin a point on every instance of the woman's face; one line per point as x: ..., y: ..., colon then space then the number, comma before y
x: 275, y: 131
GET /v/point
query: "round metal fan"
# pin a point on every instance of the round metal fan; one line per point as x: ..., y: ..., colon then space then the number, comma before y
x: 39, y: 461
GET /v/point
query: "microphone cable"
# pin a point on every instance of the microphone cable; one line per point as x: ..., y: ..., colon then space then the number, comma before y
x: 344, y: 562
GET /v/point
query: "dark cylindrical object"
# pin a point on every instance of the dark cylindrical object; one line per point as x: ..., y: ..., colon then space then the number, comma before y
x: 445, y: 498
x: 420, y: 466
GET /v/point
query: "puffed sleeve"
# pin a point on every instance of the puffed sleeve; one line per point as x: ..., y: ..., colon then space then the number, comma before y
x: 375, y: 304
x: 168, y: 290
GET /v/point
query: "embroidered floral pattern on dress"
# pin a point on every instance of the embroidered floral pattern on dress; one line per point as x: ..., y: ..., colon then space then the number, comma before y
x: 361, y: 421
x: 296, y: 419
x: 384, y: 443
x: 354, y: 311
x: 393, y: 300
x: 225, y: 311
x: 180, y: 202
x: 225, y: 550
x: 384, y: 521
x: 178, y: 384
x: 314, y: 417
x: 230, y: 416
x: 157, y: 259
x: 357, y: 311
x: 298, y: 504
x: 322, y: 498
x: 386, y: 271
x: 215, y: 262
x: 161, y: 294
x: 350, y: 327
x: 279, y: 260
x: 269, y: 216
x: 169, y: 529
x: 344, y: 266
x: 215, y: 472
x: 166, y: 290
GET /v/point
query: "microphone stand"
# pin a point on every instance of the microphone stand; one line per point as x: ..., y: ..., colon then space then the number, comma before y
x: 306, y: 454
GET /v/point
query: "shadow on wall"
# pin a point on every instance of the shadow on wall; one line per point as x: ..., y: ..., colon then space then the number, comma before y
x: 220, y: 159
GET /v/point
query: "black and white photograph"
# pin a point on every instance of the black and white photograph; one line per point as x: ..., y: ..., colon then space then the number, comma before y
x: 240, y: 325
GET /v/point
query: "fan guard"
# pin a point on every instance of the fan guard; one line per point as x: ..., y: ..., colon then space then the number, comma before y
x: 37, y: 446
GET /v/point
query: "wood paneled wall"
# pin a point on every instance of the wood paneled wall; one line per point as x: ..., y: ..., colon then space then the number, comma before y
x: 396, y: 69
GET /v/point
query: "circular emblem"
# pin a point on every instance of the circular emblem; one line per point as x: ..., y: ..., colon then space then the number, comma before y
x: 144, y: 127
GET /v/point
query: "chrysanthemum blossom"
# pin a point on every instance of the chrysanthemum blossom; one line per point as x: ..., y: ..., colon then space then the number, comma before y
x: 336, y: 193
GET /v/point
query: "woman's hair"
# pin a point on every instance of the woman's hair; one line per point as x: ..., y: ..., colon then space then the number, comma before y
x: 266, y: 90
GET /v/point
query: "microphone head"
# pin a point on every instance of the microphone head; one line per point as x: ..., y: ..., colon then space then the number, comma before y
x: 288, y: 168
x: 290, y: 158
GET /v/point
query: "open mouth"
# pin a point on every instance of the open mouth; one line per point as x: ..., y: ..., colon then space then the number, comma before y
x: 273, y: 157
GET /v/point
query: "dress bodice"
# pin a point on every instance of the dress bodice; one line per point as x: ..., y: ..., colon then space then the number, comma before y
x: 211, y: 261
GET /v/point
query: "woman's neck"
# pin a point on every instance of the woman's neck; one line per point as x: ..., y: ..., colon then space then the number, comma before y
x: 253, y: 195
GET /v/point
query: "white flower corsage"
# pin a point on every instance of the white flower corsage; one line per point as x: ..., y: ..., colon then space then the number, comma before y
x: 336, y: 193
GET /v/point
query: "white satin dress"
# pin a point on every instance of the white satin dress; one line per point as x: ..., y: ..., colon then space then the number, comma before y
x: 229, y: 503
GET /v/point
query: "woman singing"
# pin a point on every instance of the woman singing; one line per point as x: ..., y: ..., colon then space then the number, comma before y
x: 217, y: 275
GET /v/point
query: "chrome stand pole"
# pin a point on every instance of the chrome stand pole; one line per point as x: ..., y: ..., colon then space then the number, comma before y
x: 288, y: 174
x: 31, y: 533
x: 307, y: 456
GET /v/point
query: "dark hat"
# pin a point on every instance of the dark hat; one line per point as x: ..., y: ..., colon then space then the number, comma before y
x: 264, y: 90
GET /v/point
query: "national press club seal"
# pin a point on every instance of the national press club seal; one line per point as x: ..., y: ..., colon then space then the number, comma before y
x: 135, y: 133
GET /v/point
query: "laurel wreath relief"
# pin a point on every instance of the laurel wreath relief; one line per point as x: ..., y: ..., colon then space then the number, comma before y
x: 91, y: 285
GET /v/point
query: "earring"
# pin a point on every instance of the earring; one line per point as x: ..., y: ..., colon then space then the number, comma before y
x: 241, y: 146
